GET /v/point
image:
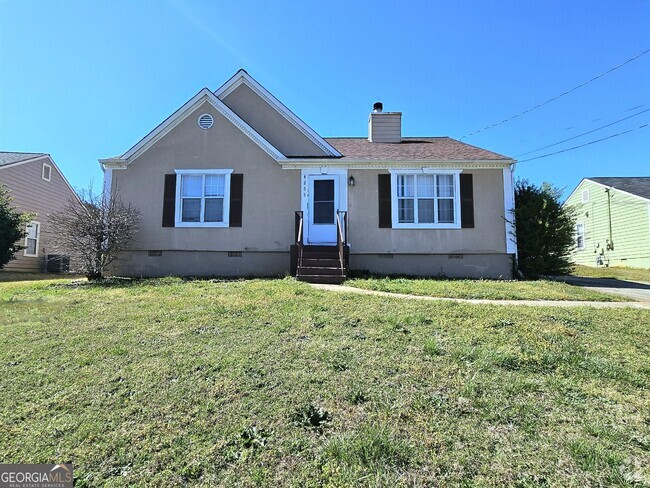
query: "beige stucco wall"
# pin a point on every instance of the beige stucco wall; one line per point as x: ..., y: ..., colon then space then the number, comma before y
x: 270, y: 197
x: 270, y: 194
x: 270, y: 124
x: 32, y: 194
x: 487, y: 236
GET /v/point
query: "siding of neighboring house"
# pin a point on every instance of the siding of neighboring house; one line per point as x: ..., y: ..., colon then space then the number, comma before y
x: 630, y: 233
x: 32, y: 194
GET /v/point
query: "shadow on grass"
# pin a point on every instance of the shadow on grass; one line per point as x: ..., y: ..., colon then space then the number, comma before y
x: 125, y: 282
x: 13, y: 276
x: 601, y: 282
x: 367, y: 275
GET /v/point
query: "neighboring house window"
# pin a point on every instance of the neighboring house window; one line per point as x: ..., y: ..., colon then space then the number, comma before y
x: 202, y: 198
x: 585, y: 196
x: 31, y: 241
x: 425, y: 199
x: 580, y: 236
x: 47, y: 172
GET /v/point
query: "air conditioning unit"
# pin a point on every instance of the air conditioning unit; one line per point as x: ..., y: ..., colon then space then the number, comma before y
x: 58, y: 263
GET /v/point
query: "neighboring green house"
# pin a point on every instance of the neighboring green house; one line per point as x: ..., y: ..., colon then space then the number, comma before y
x: 612, y: 222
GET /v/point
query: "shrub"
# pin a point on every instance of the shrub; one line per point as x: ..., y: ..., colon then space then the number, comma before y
x: 12, y: 228
x: 544, y: 230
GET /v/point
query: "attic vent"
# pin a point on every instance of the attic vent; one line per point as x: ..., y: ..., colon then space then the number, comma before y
x: 205, y: 121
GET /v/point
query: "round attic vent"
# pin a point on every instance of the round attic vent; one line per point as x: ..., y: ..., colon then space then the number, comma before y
x: 205, y: 121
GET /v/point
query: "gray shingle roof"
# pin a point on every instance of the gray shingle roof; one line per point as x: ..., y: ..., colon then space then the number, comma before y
x: 16, y: 157
x: 412, y: 149
x: 636, y: 185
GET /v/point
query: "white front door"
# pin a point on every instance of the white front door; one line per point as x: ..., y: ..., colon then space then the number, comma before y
x: 323, y: 204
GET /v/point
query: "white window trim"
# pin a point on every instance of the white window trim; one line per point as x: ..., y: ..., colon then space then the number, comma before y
x: 396, y: 224
x: 585, y: 192
x: 226, y: 197
x: 49, y: 172
x: 584, y: 237
x: 38, y: 238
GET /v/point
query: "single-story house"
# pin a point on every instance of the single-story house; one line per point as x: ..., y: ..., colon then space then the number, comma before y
x: 233, y: 183
x: 38, y: 187
x: 612, y: 221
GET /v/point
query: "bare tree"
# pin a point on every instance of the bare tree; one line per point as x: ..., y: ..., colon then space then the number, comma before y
x: 94, y: 231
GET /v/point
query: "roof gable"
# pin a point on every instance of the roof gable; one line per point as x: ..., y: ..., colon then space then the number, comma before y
x: 181, y: 114
x: 12, y: 159
x: 325, y: 149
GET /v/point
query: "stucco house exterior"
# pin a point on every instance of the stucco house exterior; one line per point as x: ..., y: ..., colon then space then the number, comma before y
x: 612, y: 221
x: 37, y: 186
x: 234, y: 184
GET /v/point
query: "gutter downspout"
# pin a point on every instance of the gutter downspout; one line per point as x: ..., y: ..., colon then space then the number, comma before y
x: 610, y: 241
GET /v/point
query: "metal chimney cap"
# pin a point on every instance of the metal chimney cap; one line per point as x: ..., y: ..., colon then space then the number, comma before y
x: 378, y: 107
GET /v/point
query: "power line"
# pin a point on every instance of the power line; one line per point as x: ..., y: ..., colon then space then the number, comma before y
x: 586, y: 144
x: 583, y: 124
x: 584, y: 133
x: 558, y: 96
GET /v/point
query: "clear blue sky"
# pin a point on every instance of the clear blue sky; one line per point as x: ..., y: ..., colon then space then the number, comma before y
x: 84, y: 80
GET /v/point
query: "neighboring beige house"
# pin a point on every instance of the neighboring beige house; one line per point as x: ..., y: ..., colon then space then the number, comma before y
x: 612, y: 221
x: 38, y: 187
x: 234, y: 184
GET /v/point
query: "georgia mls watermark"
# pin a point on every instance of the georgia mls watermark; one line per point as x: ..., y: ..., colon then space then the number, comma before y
x: 36, y: 475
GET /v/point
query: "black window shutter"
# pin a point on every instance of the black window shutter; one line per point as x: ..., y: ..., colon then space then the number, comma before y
x: 236, y: 199
x: 385, y: 220
x: 466, y: 200
x: 169, y: 201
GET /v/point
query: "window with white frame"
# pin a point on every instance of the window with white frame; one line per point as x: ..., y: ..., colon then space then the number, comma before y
x: 425, y: 199
x: 31, y: 240
x: 580, y: 236
x: 585, y: 196
x: 47, y: 172
x: 202, y: 198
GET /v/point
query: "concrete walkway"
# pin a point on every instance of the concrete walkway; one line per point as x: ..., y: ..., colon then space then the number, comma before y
x: 508, y: 303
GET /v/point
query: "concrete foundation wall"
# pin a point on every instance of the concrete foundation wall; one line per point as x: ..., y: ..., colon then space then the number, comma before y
x: 450, y: 265
x: 202, y: 263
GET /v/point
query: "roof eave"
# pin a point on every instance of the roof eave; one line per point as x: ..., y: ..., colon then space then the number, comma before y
x: 391, y: 163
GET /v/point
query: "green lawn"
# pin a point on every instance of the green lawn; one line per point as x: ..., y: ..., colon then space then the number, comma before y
x: 634, y: 274
x: 273, y: 383
x: 483, y: 289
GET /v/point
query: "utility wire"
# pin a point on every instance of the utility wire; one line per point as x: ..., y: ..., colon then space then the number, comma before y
x: 583, y: 124
x: 584, y: 133
x: 586, y: 144
x: 557, y: 96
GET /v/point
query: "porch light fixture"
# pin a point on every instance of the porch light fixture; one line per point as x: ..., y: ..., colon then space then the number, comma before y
x: 351, y: 181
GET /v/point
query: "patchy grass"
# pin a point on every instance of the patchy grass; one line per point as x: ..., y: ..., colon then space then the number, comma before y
x: 273, y: 383
x: 633, y: 274
x: 483, y: 289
